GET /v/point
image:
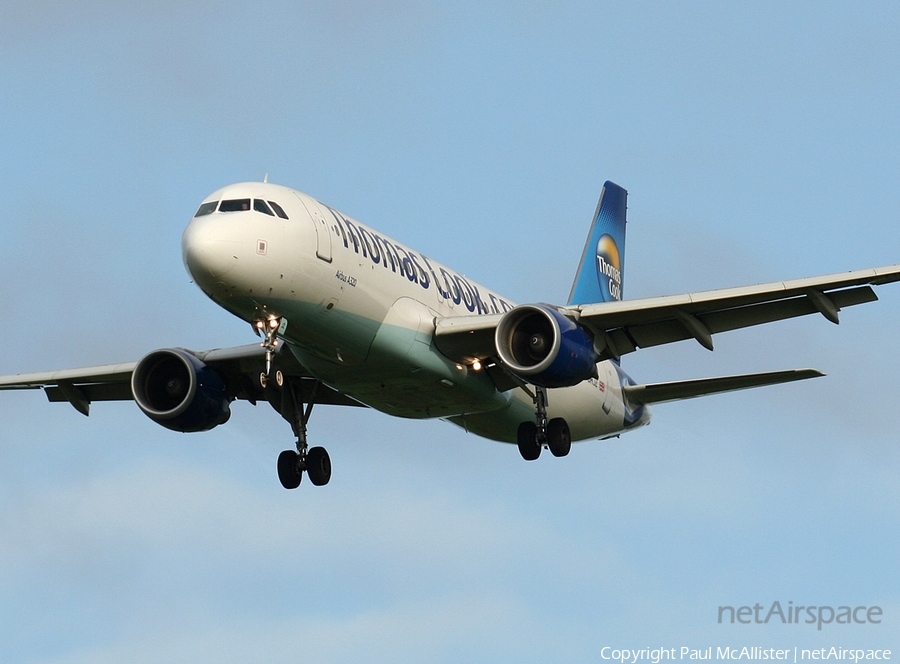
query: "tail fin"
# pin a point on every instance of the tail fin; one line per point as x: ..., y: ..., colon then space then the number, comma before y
x: 601, y: 272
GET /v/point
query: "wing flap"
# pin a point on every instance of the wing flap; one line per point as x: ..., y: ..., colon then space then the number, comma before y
x: 667, y: 331
x: 92, y: 392
x: 623, y: 327
x: 688, y: 389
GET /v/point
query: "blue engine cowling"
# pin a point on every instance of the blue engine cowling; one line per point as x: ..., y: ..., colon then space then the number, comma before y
x: 180, y: 392
x: 542, y: 346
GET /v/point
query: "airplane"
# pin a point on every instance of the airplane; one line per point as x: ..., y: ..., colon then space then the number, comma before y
x: 351, y: 317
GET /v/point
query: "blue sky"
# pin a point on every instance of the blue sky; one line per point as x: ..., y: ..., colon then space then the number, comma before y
x: 757, y: 141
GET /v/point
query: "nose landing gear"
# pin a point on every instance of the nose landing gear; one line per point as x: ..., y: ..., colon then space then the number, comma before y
x: 269, y: 327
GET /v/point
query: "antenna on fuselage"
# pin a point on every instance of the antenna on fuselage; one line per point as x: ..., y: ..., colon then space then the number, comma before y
x: 266, y: 178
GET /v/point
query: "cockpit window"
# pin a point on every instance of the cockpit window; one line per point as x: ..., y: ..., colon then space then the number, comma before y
x: 260, y: 206
x: 278, y: 210
x: 207, y: 208
x: 235, y: 205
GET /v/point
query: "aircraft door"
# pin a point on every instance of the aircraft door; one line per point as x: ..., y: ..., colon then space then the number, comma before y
x: 323, y: 229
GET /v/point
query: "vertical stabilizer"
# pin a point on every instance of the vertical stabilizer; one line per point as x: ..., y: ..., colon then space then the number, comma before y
x: 601, y: 272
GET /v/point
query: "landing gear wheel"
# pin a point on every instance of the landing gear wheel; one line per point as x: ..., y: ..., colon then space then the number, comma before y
x: 559, y: 440
x: 318, y: 466
x: 266, y: 379
x: 526, y: 438
x: 294, y: 399
x: 289, y: 473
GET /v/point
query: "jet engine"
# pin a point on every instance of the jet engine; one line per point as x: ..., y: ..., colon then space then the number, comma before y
x: 542, y: 346
x: 178, y: 391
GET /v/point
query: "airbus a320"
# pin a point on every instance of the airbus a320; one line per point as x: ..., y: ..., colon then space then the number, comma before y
x: 348, y: 316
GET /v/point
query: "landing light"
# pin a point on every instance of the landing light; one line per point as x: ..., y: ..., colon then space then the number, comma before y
x: 260, y: 324
x: 476, y: 365
x: 273, y: 323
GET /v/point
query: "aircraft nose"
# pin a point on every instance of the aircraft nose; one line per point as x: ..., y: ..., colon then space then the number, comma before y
x: 206, y: 253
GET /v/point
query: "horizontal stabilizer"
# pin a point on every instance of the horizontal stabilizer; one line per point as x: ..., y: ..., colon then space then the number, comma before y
x: 688, y: 389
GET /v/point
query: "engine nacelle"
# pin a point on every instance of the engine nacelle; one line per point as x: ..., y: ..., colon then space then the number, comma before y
x: 539, y: 344
x: 180, y: 392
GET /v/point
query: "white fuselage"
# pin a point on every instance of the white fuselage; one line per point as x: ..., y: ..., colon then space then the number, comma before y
x: 361, y: 309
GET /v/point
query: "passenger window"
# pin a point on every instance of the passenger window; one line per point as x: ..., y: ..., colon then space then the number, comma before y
x: 207, y: 208
x: 260, y: 206
x: 278, y: 210
x: 235, y: 205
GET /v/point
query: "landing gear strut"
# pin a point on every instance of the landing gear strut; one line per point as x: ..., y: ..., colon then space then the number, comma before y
x: 287, y: 398
x: 286, y: 395
x: 554, y: 433
x: 269, y: 328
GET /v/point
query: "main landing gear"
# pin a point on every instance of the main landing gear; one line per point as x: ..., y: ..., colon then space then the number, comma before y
x: 532, y: 436
x: 293, y: 398
x: 291, y: 464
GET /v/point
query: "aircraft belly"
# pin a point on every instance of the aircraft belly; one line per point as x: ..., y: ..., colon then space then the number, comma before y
x: 582, y: 407
x: 500, y: 425
x: 331, y: 334
x: 414, y: 396
x: 592, y: 409
x: 405, y: 375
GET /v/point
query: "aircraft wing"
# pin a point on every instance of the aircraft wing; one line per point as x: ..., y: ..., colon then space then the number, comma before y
x: 621, y: 327
x: 239, y: 367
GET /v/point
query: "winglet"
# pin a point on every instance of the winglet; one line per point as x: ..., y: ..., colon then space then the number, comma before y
x: 602, y: 267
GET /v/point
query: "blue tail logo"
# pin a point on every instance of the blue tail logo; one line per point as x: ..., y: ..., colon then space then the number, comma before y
x: 600, y: 273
